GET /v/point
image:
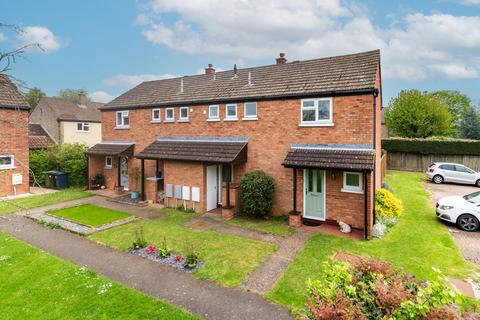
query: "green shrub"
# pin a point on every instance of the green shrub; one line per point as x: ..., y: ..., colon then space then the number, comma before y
x: 433, y: 145
x: 256, y: 193
x: 387, y: 205
x: 39, y: 164
x: 139, y: 242
x: 191, y: 259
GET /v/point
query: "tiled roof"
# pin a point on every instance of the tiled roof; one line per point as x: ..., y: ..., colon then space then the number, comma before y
x: 330, y: 158
x: 221, y: 150
x: 10, y: 97
x: 38, y: 138
x: 334, y: 75
x: 68, y: 111
x: 111, y: 149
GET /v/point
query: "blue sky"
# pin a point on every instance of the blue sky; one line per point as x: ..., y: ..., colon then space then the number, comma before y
x: 108, y: 46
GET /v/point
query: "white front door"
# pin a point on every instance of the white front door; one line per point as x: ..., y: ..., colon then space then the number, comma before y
x: 124, y: 173
x: 211, y: 187
x: 314, y: 194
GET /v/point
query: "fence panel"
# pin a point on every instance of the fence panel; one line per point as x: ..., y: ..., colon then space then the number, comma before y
x: 420, y: 162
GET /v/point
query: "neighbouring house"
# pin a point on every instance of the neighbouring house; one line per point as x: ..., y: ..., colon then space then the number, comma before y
x: 314, y: 126
x: 69, y: 122
x: 14, y: 169
x: 39, y: 137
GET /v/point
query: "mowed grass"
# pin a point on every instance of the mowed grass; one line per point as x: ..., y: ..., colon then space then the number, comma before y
x: 274, y: 225
x: 417, y: 243
x: 228, y: 259
x: 37, y: 285
x: 89, y: 214
x: 29, y: 202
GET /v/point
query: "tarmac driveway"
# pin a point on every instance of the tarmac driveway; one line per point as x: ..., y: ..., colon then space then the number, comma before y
x: 468, y: 242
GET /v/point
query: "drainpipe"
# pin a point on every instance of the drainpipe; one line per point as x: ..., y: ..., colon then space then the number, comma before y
x: 375, y: 95
x: 143, y: 179
x: 365, y: 182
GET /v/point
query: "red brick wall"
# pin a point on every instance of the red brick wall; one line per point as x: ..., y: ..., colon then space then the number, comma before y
x: 14, y: 141
x: 96, y: 164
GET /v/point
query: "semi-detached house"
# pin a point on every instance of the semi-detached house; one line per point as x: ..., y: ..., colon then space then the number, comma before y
x: 314, y: 126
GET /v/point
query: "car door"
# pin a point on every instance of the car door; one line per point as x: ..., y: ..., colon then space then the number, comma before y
x: 464, y: 174
x: 449, y: 174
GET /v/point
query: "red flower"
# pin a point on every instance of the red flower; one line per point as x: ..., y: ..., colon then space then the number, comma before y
x: 179, y: 258
x: 151, y: 249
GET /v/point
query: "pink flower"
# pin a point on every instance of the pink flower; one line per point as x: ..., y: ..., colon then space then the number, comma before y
x: 179, y: 258
x: 151, y: 249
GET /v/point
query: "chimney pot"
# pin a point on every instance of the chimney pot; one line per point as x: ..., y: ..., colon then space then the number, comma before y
x: 281, y: 59
x: 82, y: 98
x: 210, y: 69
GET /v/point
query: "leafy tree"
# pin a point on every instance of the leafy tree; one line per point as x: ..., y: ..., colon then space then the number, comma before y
x: 33, y: 96
x: 470, y: 124
x: 71, y: 94
x: 414, y: 114
x: 70, y: 158
x: 458, y: 104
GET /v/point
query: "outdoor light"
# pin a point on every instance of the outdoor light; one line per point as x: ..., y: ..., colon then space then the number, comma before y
x: 333, y: 175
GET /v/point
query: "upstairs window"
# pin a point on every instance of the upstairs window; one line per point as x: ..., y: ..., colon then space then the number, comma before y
x: 6, y: 162
x: 156, y: 117
x: 231, y: 112
x: 352, y: 182
x: 169, y: 115
x: 83, y: 126
x: 250, y: 111
x: 183, y: 116
x: 214, y: 112
x: 123, y: 120
x: 316, y: 111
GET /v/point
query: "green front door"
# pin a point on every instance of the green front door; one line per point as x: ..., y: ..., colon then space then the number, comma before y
x: 314, y: 194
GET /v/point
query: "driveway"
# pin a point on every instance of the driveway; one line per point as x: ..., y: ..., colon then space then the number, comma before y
x: 468, y: 242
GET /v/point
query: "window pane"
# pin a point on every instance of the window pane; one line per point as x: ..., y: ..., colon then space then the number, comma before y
x: 86, y: 127
x: 5, y: 160
x: 310, y: 180
x: 308, y: 115
x: 79, y: 126
x: 169, y: 114
x: 231, y: 111
x: 250, y: 109
x: 213, y: 112
x: 319, y: 181
x: 119, y: 118
x: 308, y: 103
x: 156, y: 114
x: 352, y: 180
x: 126, y: 120
x: 184, y: 113
x: 323, y: 109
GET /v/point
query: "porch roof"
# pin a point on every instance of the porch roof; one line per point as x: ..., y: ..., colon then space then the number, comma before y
x: 201, y: 149
x: 111, y: 149
x: 331, y: 156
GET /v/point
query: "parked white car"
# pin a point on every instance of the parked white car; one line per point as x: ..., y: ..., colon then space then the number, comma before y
x: 464, y: 211
x: 440, y: 172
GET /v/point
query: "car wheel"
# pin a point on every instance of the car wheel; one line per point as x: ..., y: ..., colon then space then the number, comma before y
x: 467, y: 222
x: 438, y: 179
x: 478, y: 183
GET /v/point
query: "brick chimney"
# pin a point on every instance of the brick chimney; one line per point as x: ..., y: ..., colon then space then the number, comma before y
x: 281, y: 59
x: 82, y: 98
x: 210, y: 69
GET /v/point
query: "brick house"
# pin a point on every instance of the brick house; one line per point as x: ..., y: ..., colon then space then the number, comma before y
x: 314, y: 126
x: 14, y: 169
x: 68, y: 122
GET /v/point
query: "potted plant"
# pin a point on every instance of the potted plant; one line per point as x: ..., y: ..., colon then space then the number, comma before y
x: 136, y: 177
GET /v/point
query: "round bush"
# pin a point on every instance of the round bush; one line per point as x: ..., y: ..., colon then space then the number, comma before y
x: 386, y: 204
x: 256, y: 193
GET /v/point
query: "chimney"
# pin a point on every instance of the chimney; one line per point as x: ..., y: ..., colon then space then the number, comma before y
x: 82, y: 98
x: 281, y: 59
x: 210, y: 69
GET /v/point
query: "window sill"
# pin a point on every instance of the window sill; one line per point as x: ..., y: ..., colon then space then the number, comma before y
x: 107, y: 168
x: 213, y: 120
x: 156, y: 121
x: 249, y: 118
x: 7, y: 168
x: 183, y: 120
x: 316, y: 124
x: 122, y: 128
x: 168, y: 121
x: 78, y: 131
x: 230, y: 119
x: 352, y: 191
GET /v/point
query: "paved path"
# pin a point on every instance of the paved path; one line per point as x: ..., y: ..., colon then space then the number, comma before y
x: 203, y: 298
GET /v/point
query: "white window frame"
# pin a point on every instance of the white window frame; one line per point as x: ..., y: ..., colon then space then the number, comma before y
x: 83, y: 126
x: 217, y: 118
x: 316, y: 122
x: 8, y: 166
x: 159, y: 118
x: 250, y: 117
x: 183, y: 119
x: 108, y: 166
x: 124, y: 114
x: 231, y: 118
x: 352, y: 189
x: 172, y: 118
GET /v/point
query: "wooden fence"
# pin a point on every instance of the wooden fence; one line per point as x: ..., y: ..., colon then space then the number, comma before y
x: 383, y: 166
x: 420, y: 162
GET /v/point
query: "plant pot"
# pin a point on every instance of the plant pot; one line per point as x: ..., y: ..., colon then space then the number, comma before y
x: 134, y: 195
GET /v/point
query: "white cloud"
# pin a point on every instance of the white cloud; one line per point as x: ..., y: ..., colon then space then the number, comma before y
x: 416, y: 47
x: 2, y: 37
x: 41, y: 36
x: 130, y: 81
x: 101, y: 96
x: 470, y: 2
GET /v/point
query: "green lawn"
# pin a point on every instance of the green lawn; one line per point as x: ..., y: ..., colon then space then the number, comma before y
x: 274, y: 225
x: 417, y: 243
x: 89, y: 214
x: 37, y: 285
x: 228, y: 259
x: 43, y: 200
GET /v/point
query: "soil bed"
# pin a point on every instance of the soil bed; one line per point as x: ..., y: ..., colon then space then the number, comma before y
x: 169, y: 261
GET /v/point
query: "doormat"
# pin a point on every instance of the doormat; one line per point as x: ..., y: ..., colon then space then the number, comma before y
x: 311, y: 223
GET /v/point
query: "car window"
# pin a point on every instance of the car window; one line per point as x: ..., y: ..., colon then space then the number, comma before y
x: 473, y: 197
x: 463, y: 169
x: 450, y: 167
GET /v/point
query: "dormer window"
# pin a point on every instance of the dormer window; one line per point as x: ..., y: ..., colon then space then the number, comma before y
x: 316, y: 112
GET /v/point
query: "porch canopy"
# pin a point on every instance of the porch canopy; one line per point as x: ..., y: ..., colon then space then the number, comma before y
x: 111, y: 149
x: 225, y: 150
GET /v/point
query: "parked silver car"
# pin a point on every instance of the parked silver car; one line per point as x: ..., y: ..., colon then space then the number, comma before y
x: 440, y: 172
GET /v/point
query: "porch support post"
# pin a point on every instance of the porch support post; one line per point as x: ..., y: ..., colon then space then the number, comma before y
x: 228, y: 195
x: 294, y: 189
x: 119, y: 181
x: 365, y: 183
x: 156, y: 166
x: 88, y: 172
x: 143, y: 179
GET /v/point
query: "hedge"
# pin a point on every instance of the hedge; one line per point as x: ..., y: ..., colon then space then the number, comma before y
x: 441, y: 146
